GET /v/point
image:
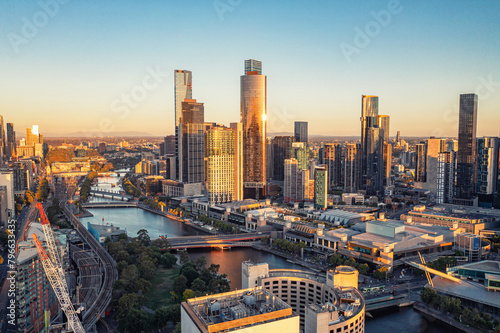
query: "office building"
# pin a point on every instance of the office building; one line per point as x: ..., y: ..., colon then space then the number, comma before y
x: 387, y: 163
x: 327, y: 302
x: 420, y: 162
x: 182, y: 90
x: 452, y: 145
x: 253, y: 90
x: 384, y: 123
x: 8, y: 202
x: 466, y: 156
x: 248, y: 310
x: 333, y: 160
x: 238, y: 153
x: 167, y: 147
x: 221, y: 164
x: 301, y: 131
x: 300, y: 151
x: 375, y: 160
x: 11, y: 141
x: 487, y: 170
x: 192, y: 155
x: 269, y: 159
x: 298, y: 186
x: 352, y: 168
x: 321, y: 187
x: 446, y: 168
x: 282, y: 146
x: 433, y: 147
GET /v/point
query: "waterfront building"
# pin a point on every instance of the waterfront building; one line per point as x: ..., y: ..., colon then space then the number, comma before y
x: 466, y: 156
x: 297, y: 185
x: 325, y: 303
x: 103, y: 231
x: 253, y: 89
x: 191, y: 160
x: 241, y: 311
x: 301, y: 131
x: 471, y: 246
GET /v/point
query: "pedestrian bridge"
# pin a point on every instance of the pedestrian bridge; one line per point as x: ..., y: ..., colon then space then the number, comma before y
x: 114, y: 195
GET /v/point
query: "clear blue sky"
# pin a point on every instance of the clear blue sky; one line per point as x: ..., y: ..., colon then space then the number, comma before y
x: 70, y: 74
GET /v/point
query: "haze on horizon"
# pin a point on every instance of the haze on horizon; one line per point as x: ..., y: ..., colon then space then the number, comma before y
x: 69, y: 73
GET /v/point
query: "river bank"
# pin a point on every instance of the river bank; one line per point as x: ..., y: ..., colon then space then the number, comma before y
x: 442, y: 317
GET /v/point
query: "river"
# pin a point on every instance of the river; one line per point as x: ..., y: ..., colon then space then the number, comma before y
x: 134, y: 219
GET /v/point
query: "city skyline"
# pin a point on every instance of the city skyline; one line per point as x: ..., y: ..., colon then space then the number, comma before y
x: 413, y: 54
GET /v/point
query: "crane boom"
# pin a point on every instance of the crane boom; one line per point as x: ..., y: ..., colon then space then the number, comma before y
x: 51, y: 244
x: 59, y: 288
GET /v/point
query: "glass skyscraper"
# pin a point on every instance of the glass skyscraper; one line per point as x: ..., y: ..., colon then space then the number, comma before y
x: 466, y: 155
x: 300, y: 131
x: 182, y: 90
x: 252, y: 65
x: 192, y: 163
x: 253, y: 99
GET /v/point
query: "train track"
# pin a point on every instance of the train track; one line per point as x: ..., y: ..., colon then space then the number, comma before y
x: 97, y: 309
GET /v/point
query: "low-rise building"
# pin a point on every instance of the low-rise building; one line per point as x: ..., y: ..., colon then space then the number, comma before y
x: 103, y: 231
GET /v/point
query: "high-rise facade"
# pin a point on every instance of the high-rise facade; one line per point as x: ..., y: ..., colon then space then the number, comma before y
x: 301, y: 131
x: 220, y: 152
x: 321, y: 187
x: 466, y: 155
x: 420, y: 161
x: 384, y: 123
x: 333, y: 160
x: 11, y: 141
x: 300, y: 151
x: 253, y: 100
x: 2, y: 142
x: 193, y: 142
x: 252, y: 65
x: 375, y: 160
x: 352, y: 168
x: 297, y: 185
x: 387, y: 163
x: 182, y: 90
x: 434, y: 146
x: 487, y: 170
x: 238, y: 163
x: 282, y: 146
x: 446, y: 165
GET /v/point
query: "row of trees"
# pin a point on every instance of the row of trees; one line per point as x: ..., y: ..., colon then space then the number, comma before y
x: 452, y: 305
x: 130, y: 188
x: 225, y: 227
x: 288, y: 246
x: 87, y: 184
x: 43, y: 190
x: 338, y: 260
x: 52, y: 214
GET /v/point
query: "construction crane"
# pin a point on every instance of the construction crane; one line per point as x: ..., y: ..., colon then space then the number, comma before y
x: 51, y: 244
x: 59, y: 287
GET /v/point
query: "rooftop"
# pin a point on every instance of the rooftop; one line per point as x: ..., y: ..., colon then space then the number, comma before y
x: 488, y: 266
x: 226, y: 311
x: 469, y: 290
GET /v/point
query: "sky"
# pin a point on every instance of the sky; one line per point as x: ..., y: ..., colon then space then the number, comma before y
x: 98, y: 67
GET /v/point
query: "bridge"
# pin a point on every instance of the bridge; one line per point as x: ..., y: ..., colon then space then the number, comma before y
x: 386, y: 301
x: 118, y: 204
x: 114, y: 195
x: 220, y: 241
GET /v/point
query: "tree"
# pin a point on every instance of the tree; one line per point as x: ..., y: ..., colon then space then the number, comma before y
x: 131, y: 273
x: 190, y: 273
x: 363, y: 269
x: 381, y: 273
x: 147, y: 268
x: 143, y: 237
x: 198, y: 286
x: 179, y: 285
x: 200, y: 263
x: 174, y: 313
x: 168, y: 260
x: 123, y: 236
x: 184, y: 257
x: 161, y: 243
x: 161, y: 316
x: 188, y: 293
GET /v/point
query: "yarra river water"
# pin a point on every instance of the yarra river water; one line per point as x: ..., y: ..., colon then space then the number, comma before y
x: 134, y: 219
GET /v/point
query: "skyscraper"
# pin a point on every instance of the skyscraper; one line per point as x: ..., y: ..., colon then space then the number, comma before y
x: 253, y: 90
x: 387, y: 163
x: 238, y: 163
x: 300, y: 151
x: 466, y: 156
x: 384, y: 123
x: 182, y: 90
x: 421, y: 164
x: 487, y: 170
x: 321, y: 187
x: 193, y: 142
x: 301, y: 131
x: 220, y: 150
x: 446, y: 163
x: 375, y: 160
x: 352, y: 168
x: 11, y: 141
x: 369, y: 115
x: 297, y: 186
x: 2, y: 142
x: 434, y: 146
x: 333, y: 161
x: 282, y: 146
